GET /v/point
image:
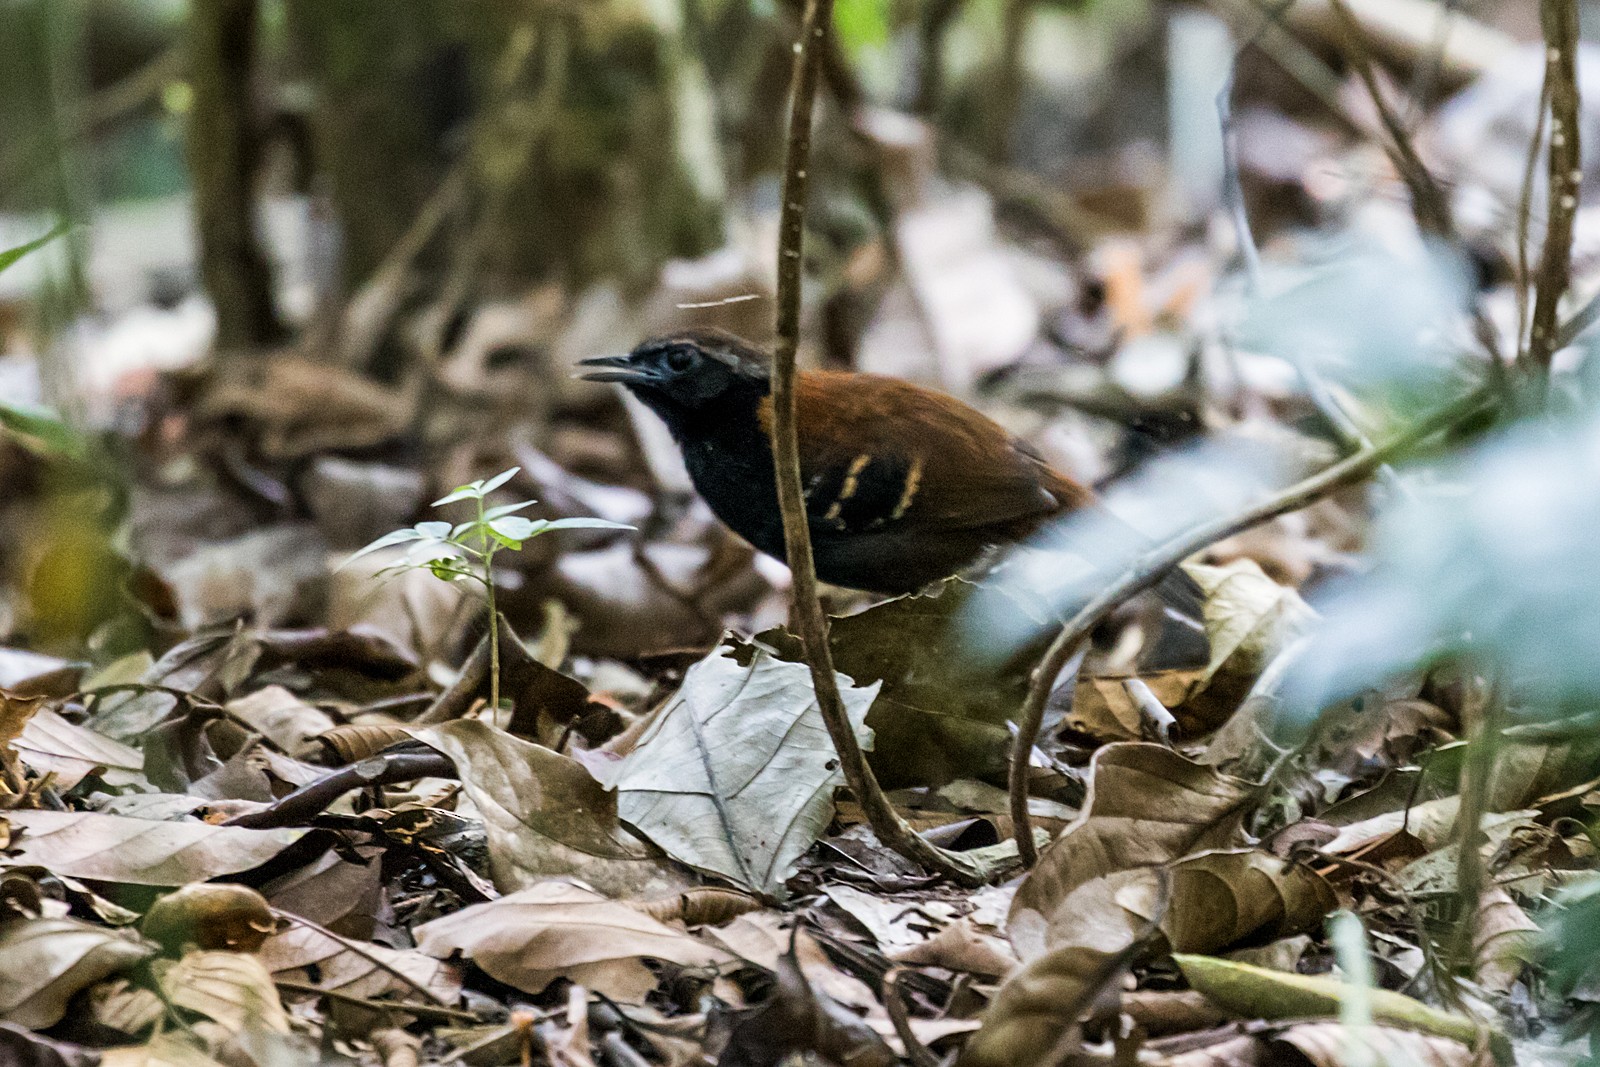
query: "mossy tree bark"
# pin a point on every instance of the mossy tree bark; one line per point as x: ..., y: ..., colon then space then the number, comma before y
x: 222, y: 127
x: 596, y: 157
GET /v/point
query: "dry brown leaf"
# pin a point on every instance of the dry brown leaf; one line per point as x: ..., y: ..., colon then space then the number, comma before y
x: 1219, y: 898
x: 115, y: 848
x: 281, y: 717
x: 706, y: 905
x: 357, y: 968
x: 48, y: 960
x: 1503, y: 941
x: 966, y: 947
x: 1146, y: 806
x: 230, y: 988
x: 1037, y: 1007
x: 1329, y: 1045
x: 50, y: 744
x: 560, y: 930
x: 546, y: 815
x: 164, y: 1050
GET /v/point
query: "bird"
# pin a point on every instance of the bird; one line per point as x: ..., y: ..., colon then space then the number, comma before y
x: 903, y: 485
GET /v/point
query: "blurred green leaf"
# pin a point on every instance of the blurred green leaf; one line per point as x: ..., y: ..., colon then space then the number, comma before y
x: 46, y: 427
x: 862, y: 23
x: 11, y: 255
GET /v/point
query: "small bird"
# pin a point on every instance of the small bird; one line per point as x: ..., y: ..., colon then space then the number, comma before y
x: 903, y: 485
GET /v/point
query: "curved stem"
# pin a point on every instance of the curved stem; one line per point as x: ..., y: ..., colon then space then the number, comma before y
x: 806, y: 614
x: 1148, y: 569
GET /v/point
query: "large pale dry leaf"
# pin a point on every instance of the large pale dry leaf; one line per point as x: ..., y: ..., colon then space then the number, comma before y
x: 47, y: 961
x: 231, y: 988
x: 736, y: 774
x: 1249, y: 619
x: 1329, y: 1045
x: 115, y: 848
x: 1146, y: 806
x: 545, y: 814
x: 50, y: 743
x: 560, y: 930
x: 173, y: 1049
x: 1220, y: 898
x: 1503, y: 942
x: 359, y: 969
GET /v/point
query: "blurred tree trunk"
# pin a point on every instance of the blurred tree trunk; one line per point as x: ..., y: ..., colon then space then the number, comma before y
x: 594, y: 159
x: 222, y: 42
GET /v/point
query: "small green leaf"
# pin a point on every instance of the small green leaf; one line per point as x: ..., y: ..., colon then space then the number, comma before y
x: 460, y: 492
x: 398, y: 537
x: 581, y: 523
x: 11, y: 255
x: 514, y: 528
x: 434, y: 529
x: 507, y: 509
x: 497, y: 481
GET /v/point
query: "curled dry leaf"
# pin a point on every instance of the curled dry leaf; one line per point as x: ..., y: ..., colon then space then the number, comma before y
x: 116, y: 848
x: 560, y: 930
x: 736, y: 774
x: 545, y: 815
x: 1220, y: 898
x: 1257, y: 993
x: 359, y: 968
x: 1039, y: 1005
x: 1249, y: 619
x: 706, y: 905
x: 1503, y: 940
x: 48, y: 961
x: 1146, y: 806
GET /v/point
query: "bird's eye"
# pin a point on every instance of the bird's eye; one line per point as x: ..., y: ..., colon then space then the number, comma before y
x: 679, y: 360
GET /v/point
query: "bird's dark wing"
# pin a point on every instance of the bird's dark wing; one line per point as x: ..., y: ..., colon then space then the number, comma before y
x: 879, y: 451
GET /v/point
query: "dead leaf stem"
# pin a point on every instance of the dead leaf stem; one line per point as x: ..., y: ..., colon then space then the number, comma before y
x: 806, y: 615
x: 1147, y: 570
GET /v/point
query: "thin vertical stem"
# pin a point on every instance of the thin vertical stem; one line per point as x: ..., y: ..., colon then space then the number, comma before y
x: 1560, y: 19
x: 806, y: 614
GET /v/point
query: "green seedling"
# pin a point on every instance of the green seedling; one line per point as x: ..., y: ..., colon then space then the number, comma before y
x: 464, y: 552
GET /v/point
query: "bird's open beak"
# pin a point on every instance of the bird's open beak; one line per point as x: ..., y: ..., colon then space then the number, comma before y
x: 612, y: 369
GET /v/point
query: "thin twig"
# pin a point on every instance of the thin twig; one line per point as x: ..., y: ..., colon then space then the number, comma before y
x: 1432, y: 207
x: 1477, y: 770
x: 388, y: 1007
x: 1147, y: 570
x: 806, y: 615
x: 1560, y: 18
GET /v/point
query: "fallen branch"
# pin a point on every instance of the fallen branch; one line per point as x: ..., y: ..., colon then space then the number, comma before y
x: 313, y: 798
x: 806, y: 614
x: 1145, y: 571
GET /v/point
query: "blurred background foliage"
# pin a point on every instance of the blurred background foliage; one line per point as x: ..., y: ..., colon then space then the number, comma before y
x: 360, y: 178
